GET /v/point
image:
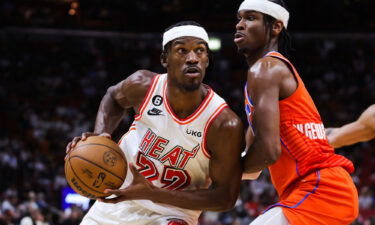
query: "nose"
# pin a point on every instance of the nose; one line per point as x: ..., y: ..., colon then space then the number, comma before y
x: 192, y: 58
x: 240, y: 25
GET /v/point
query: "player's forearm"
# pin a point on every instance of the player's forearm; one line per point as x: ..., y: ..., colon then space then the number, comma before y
x: 349, y: 134
x: 109, y: 115
x: 260, y: 156
x: 251, y: 176
x: 204, y: 199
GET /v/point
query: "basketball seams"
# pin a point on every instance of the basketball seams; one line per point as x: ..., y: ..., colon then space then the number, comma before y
x: 87, y: 158
x: 83, y: 183
x: 121, y: 154
x: 122, y: 179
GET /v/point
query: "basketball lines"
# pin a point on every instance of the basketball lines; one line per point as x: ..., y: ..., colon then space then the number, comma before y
x: 80, y: 146
x: 76, y: 156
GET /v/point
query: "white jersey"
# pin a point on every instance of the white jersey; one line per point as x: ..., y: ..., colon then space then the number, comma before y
x: 170, y: 152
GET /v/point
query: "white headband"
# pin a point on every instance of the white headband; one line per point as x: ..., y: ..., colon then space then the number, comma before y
x: 267, y: 7
x: 185, y: 31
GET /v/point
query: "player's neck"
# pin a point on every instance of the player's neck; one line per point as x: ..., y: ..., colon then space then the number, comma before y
x: 185, y: 103
x: 253, y: 57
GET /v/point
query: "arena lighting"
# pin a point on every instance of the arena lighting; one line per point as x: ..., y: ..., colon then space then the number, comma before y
x: 72, y: 12
x: 74, y: 5
x: 70, y: 197
x: 214, y: 43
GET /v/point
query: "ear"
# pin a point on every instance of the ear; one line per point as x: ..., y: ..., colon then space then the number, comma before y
x: 163, y: 60
x: 277, y: 27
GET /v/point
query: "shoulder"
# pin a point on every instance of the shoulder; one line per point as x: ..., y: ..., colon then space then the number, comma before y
x: 131, y: 91
x: 226, y: 122
x: 225, y: 135
x: 141, y: 78
x: 269, y: 68
x: 271, y: 74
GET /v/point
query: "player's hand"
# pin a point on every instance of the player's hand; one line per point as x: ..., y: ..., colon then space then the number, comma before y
x: 140, y: 188
x: 83, y: 137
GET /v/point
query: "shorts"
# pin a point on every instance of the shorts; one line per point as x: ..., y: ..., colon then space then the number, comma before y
x: 274, y: 216
x: 325, y: 197
x: 128, y: 213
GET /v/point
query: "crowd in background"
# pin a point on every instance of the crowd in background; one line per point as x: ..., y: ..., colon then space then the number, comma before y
x: 51, y: 86
x: 145, y: 15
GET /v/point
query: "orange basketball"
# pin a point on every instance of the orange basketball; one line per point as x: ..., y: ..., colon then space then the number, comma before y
x: 94, y: 165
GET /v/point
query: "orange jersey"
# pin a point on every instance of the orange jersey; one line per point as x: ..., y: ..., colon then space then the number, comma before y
x: 313, y: 182
x: 303, y: 140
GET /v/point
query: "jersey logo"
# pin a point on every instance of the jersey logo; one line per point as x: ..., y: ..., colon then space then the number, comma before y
x: 99, y: 180
x: 157, y: 100
x: 155, y: 112
x: 312, y: 130
x: 194, y: 133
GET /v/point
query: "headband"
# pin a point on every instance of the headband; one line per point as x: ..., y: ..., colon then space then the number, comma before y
x: 185, y: 31
x: 267, y: 7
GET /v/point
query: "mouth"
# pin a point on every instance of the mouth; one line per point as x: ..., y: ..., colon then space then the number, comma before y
x: 192, y: 71
x: 238, y: 37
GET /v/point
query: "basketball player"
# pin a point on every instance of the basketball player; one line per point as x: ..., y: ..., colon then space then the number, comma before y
x: 184, y: 145
x: 363, y: 129
x: 313, y: 183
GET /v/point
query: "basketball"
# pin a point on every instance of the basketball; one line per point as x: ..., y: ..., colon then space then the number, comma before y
x: 94, y: 165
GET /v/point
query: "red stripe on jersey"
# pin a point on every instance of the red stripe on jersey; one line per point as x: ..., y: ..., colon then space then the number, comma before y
x: 197, y: 112
x: 132, y: 127
x: 146, y: 99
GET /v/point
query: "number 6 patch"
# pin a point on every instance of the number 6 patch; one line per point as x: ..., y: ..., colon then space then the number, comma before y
x: 157, y: 100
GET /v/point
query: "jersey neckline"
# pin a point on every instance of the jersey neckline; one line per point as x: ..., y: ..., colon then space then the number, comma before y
x: 207, y: 99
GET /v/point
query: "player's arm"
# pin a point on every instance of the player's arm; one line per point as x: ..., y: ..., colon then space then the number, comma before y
x: 249, y: 141
x: 360, y: 130
x: 225, y: 142
x: 128, y: 93
x: 264, y: 80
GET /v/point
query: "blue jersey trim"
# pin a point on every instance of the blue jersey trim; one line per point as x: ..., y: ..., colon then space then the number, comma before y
x: 290, y: 153
x: 302, y: 200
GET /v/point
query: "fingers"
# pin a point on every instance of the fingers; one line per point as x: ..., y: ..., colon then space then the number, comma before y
x: 111, y: 200
x: 135, y: 172
x: 75, y: 140
x: 68, y: 147
x: 72, y: 144
x: 105, y: 134
x: 83, y: 137
x: 113, y: 192
x: 133, y: 169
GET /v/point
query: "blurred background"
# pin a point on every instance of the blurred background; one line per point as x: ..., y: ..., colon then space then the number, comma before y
x: 58, y: 57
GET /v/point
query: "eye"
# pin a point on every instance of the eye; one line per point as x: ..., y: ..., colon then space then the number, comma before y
x: 250, y: 18
x: 201, y: 50
x: 181, y: 50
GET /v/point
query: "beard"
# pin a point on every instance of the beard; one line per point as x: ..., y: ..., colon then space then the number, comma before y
x: 191, y: 86
x: 186, y: 84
